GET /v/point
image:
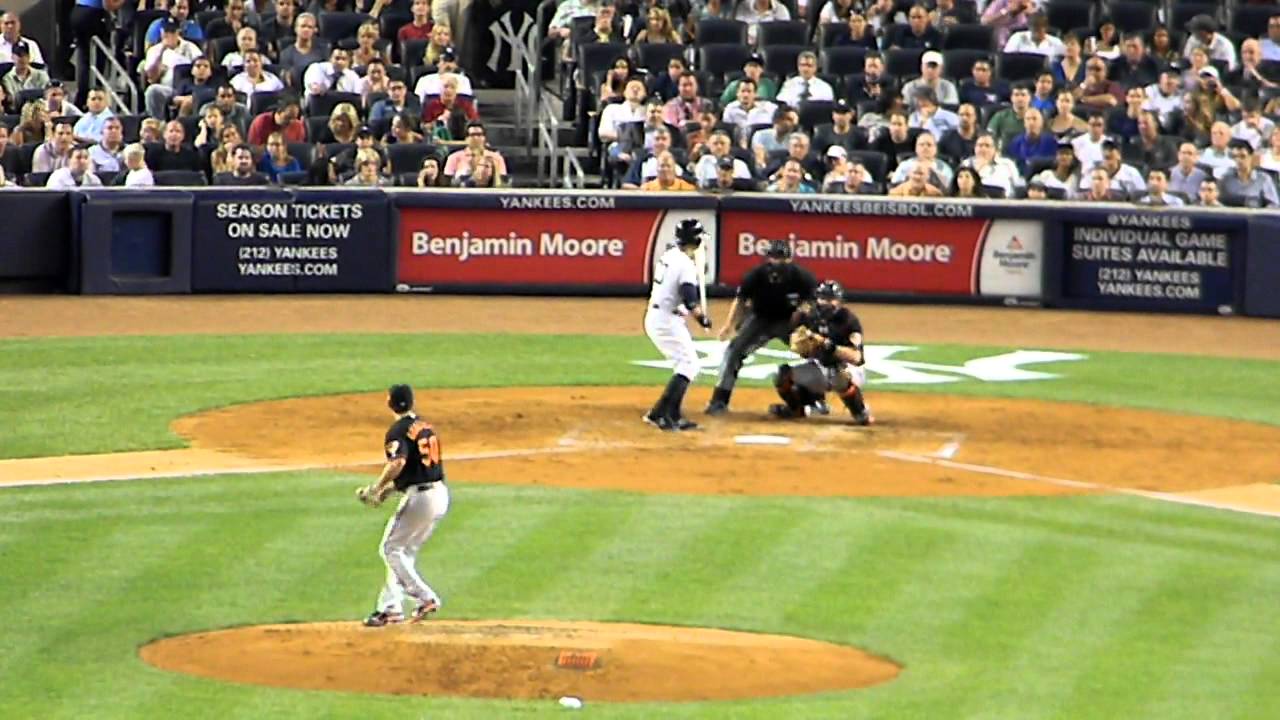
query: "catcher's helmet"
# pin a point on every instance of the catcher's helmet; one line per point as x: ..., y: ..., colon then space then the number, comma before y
x: 400, y: 398
x: 689, y: 233
x: 779, y: 249
x: 830, y: 290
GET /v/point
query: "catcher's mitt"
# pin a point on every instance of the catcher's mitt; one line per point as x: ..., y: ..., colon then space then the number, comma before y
x: 368, y: 495
x: 807, y: 343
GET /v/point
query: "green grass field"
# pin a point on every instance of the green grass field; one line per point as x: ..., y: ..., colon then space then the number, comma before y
x: 1026, y: 608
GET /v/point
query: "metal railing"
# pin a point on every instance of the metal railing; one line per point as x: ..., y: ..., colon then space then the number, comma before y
x: 557, y: 166
x: 115, y: 76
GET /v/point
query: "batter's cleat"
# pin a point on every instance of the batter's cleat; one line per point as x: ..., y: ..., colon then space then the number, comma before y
x: 659, y: 421
x: 819, y: 408
x: 423, y: 611
x: 682, y: 424
x: 380, y: 618
x: 864, y: 418
x: 781, y: 411
x: 715, y: 407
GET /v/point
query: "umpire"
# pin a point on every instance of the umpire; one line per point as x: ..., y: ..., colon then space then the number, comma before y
x: 769, y: 297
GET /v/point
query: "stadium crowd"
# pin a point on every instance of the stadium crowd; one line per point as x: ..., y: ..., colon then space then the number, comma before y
x: 1161, y: 102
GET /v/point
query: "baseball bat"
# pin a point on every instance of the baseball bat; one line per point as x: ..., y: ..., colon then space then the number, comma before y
x: 700, y: 259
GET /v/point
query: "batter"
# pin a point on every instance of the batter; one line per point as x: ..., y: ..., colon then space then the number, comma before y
x: 674, y: 297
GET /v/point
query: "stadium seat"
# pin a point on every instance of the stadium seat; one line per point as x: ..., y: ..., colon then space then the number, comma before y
x: 25, y: 96
x: 1133, y: 15
x: 335, y: 26
x: 5, y: 67
x: 10, y: 121
x: 263, y: 102
x: 407, y: 157
x: 35, y: 179
x: 390, y: 22
x: 877, y: 163
x: 655, y: 56
x: 1251, y: 20
x: 829, y: 33
x: 220, y: 48
x: 190, y: 127
x: 902, y: 62
x: 713, y: 31
x: 1181, y: 11
x: 324, y: 104
x: 302, y: 151
x: 142, y: 20
x: 1066, y: 15
x: 293, y: 178
x: 595, y: 57
x: 180, y: 178
x: 317, y: 127
x: 1019, y: 66
x: 781, y: 59
x: 204, y: 17
x: 380, y: 126
x: 815, y: 113
x: 413, y: 53
x: 721, y: 59
x: 791, y: 32
x: 969, y: 37
x: 333, y: 150
x: 958, y: 64
x: 844, y: 60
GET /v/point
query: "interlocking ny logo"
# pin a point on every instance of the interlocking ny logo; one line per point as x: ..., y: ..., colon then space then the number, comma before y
x: 884, y: 368
x: 504, y: 35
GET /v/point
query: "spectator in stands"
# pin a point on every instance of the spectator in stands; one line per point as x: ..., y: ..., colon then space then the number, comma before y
x: 34, y: 124
x: 242, y: 172
x: 1122, y: 122
x: 1268, y: 160
x: 1065, y: 122
x: 106, y: 153
x: 917, y: 34
x: 668, y: 177
x: 430, y: 85
x: 284, y: 119
x: 799, y: 149
x: 857, y: 181
x: 180, y: 17
x: 666, y: 85
x: 332, y: 76
x: 872, y: 83
x: 754, y: 12
x: 277, y: 161
x: 375, y: 82
x: 484, y: 175
x: 232, y: 111
x: 658, y: 29
x: 687, y: 105
x: 1105, y: 41
x: 430, y: 175
x: 1043, y: 97
x: 993, y: 170
x: 11, y: 35
x: 1185, y: 177
x: 231, y: 23
x: 75, y: 174
x: 753, y: 70
x: 899, y: 140
x: 453, y: 111
x: 56, y: 152
x: 1248, y: 77
x: 860, y: 34
x: 1097, y: 92
x: 170, y: 52
x: 8, y: 152
x: 22, y: 76
x: 398, y: 101
x: 6, y: 104
x: 838, y: 11
x: 917, y: 184
x: 150, y: 131
x: 940, y: 173
x: 135, y: 172
x: 459, y: 163
x: 419, y: 28
x: 1204, y: 33
x: 1209, y: 193
x: 562, y: 22
x: 644, y: 166
x: 1271, y: 43
x: 931, y: 117
x: 805, y: 86
x: 277, y: 28
x: 837, y: 160
x: 246, y: 42
x: 791, y: 179
x: 841, y: 131
x: 1036, y: 39
x: 631, y: 110
x: 980, y: 89
x: 1135, y: 67
x: 1037, y: 190
x: 1007, y: 17
x: 949, y: 13
x: 1065, y: 173
x: 368, y: 171
x: 726, y: 178
x: 1156, y: 150
x: 719, y: 148
x: 1196, y: 120
x: 5, y: 182
x: 1157, y: 190
x: 88, y: 129
x: 442, y: 40
x: 1122, y: 177
x: 1007, y: 123
x: 403, y: 131
x: 255, y: 79
x: 343, y: 166
x: 209, y: 129
x: 967, y: 184
x: 1217, y: 155
x: 305, y: 50
x: 174, y: 154
x: 931, y: 77
x: 1244, y: 183
x: 55, y: 99
x: 1069, y: 70
x: 1098, y: 188
x: 344, y: 123
x: 958, y: 142
x: 1162, y: 48
x: 196, y: 91
x: 1164, y: 98
x: 766, y: 141
x: 366, y: 50
x: 1191, y: 75
x: 614, y: 83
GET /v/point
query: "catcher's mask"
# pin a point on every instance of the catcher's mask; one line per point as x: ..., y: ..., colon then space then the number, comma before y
x: 778, y: 250
x: 689, y: 233
x: 830, y: 290
x: 400, y: 398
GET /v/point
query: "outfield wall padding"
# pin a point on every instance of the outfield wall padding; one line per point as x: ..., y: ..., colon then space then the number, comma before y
x: 35, y: 239
x: 133, y: 242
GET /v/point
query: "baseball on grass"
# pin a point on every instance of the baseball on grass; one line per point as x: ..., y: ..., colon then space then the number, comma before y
x: 571, y: 702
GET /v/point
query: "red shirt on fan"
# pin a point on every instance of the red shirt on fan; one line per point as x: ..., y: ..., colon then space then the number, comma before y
x: 409, y: 31
x: 436, y: 108
x: 265, y: 124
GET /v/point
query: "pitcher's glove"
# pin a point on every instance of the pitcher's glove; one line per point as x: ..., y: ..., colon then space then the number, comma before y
x: 368, y: 495
x: 807, y: 343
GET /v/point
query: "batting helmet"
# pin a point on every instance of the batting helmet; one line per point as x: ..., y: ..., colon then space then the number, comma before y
x: 779, y: 249
x: 689, y: 233
x: 400, y: 398
x: 830, y: 290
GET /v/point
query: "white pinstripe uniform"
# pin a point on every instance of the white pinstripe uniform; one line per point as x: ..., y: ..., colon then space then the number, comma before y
x: 664, y: 321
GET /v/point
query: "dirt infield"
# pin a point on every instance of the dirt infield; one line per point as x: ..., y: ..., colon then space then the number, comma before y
x: 523, y: 659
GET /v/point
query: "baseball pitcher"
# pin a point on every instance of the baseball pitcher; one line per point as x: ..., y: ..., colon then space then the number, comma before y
x: 414, y: 467
x: 829, y: 337
x: 676, y: 292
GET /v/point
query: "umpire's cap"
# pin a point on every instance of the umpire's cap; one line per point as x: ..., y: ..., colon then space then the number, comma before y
x: 400, y: 398
x: 779, y: 249
x: 830, y: 290
x: 689, y: 233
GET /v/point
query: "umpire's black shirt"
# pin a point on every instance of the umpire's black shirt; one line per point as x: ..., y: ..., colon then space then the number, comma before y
x: 775, y: 290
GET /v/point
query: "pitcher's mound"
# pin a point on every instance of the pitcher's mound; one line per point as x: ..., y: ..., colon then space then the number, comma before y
x: 524, y: 659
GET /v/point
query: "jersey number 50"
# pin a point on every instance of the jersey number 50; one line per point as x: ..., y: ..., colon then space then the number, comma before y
x: 429, y: 449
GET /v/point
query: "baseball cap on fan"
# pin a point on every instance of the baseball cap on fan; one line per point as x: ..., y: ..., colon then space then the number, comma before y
x: 837, y: 151
x: 170, y: 25
x: 933, y: 57
x: 21, y: 48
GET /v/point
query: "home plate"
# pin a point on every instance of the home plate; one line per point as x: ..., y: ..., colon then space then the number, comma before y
x: 762, y: 439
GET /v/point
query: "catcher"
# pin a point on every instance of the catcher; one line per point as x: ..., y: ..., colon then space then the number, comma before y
x: 413, y: 467
x: 829, y: 337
